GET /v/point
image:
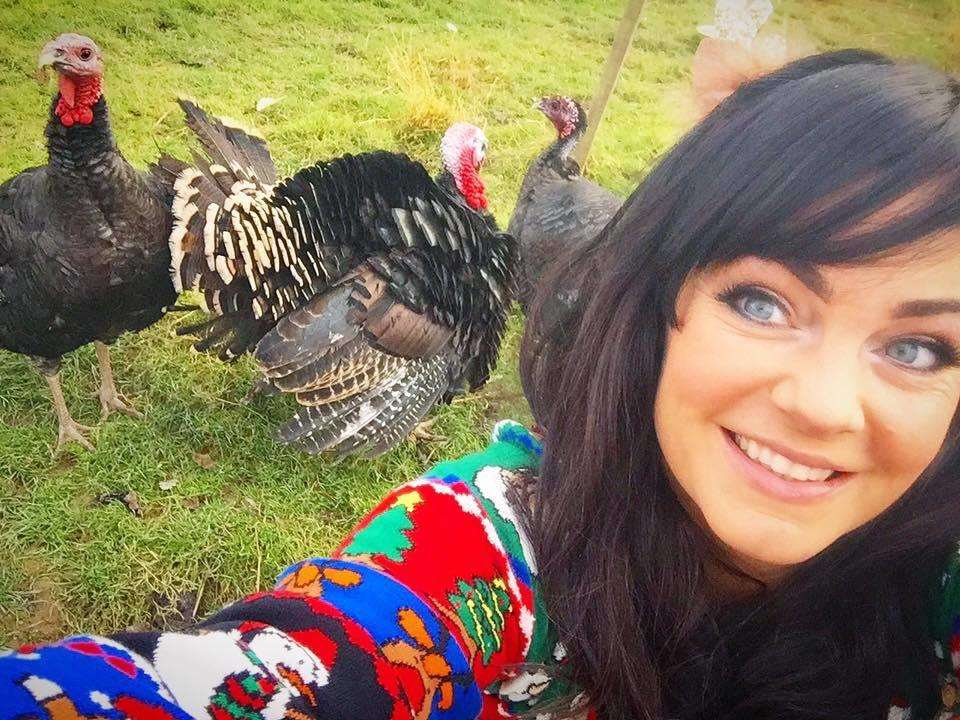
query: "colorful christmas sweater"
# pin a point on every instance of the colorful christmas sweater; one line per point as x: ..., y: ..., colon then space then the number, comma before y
x: 428, y: 609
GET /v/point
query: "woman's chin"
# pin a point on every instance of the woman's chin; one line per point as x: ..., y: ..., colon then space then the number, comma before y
x: 763, y: 546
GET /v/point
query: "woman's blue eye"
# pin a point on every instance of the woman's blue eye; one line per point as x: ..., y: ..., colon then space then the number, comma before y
x: 756, y: 305
x: 919, y: 354
x: 759, y: 307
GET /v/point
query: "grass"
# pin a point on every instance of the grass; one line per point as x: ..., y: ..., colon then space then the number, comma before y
x: 220, y: 508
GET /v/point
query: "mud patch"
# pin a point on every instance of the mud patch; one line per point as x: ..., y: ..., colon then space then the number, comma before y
x: 40, y: 618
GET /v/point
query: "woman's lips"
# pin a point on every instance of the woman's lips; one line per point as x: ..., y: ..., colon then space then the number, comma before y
x: 781, y: 476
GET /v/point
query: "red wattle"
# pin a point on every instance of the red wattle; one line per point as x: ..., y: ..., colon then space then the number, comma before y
x: 78, y: 95
x: 68, y: 90
x: 470, y: 183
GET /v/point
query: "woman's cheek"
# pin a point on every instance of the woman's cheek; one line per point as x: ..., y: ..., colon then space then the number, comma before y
x: 910, y: 435
x: 714, y: 354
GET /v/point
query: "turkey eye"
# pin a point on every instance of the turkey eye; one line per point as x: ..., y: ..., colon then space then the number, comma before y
x: 85, y: 54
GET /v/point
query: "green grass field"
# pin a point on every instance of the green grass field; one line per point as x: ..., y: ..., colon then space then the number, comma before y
x: 221, y: 508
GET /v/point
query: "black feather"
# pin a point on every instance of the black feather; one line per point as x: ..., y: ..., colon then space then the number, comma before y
x: 83, y: 244
x: 331, y: 276
x: 557, y: 210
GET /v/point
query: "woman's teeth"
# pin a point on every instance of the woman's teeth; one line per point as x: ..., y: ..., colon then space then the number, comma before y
x: 778, y: 464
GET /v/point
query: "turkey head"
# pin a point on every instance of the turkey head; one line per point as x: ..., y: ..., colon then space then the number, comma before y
x: 79, y: 66
x: 565, y: 113
x: 463, y: 150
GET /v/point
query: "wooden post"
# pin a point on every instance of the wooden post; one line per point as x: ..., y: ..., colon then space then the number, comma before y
x: 611, y: 70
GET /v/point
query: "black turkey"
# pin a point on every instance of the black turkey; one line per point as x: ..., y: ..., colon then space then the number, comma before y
x: 557, y: 208
x: 360, y: 285
x: 83, y: 240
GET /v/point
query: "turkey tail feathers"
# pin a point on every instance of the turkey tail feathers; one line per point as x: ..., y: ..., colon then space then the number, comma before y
x: 236, y: 170
x: 374, y: 420
x: 237, y: 164
x: 245, y: 155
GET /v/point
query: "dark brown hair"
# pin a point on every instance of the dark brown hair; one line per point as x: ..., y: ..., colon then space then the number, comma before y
x: 621, y: 564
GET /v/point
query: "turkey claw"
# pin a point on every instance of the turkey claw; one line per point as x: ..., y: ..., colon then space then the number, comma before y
x: 114, y: 402
x: 73, y: 431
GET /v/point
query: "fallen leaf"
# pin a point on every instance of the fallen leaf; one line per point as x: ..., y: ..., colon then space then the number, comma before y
x: 204, y: 460
x: 129, y: 498
x: 169, y: 483
x: 132, y: 501
x: 191, y: 503
x: 265, y: 102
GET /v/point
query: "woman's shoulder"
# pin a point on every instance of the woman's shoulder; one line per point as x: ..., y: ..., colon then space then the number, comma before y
x: 454, y: 537
x: 946, y: 611
x: 945, y: 627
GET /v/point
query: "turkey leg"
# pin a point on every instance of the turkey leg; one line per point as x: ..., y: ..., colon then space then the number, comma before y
x: 70, y: 429
x: 110, y: 399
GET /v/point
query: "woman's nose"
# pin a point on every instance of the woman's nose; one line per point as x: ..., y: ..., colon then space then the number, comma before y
x: 822, y: 395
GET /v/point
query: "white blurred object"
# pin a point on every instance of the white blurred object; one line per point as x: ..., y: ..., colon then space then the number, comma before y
x: 451, y: 27
x: 265, y: 102
x: 738, y: 21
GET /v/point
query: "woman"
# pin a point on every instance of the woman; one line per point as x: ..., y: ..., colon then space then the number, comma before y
x: 747, y: 506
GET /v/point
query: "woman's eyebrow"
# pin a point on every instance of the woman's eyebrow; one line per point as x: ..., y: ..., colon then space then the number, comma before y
x: 921, y: 308
x: 811, y: 277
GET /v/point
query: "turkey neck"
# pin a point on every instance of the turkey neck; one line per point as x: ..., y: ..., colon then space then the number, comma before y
x: 447, y: 183
x: 554, y: 163
x: 85, y: 154
x: 557, y: 156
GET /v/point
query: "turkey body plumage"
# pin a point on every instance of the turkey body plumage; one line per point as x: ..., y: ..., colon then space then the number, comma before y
x: 557, y: 210
x: 83, y: 255
x: 83, y: 245
x: 359, y: 285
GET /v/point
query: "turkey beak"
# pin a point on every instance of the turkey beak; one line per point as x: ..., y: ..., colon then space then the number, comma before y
x: 48, y: 58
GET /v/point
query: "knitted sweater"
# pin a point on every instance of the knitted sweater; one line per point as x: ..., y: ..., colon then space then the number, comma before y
x: 426, y: 610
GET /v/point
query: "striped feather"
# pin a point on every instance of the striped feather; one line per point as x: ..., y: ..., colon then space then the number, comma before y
x: 359, y: 285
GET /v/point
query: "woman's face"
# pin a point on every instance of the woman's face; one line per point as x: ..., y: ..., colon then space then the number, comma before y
x: 794, y: 408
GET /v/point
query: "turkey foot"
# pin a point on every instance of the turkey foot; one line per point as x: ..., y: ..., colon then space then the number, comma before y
x: 69, y: 429
x: 110, y: 399
x: 72, y: 431
x: 422, y: 433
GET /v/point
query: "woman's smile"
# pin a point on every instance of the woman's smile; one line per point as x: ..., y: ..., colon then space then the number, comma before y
x: 779, y: 472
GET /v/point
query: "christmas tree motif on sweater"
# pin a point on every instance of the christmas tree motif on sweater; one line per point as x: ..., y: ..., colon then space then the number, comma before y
x: 481, y: 608
x: 386, y: 533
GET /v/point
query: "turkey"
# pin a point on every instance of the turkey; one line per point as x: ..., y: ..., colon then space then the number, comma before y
x: 83, y: 239
x: 557, y: 208
x: 360, y: 285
